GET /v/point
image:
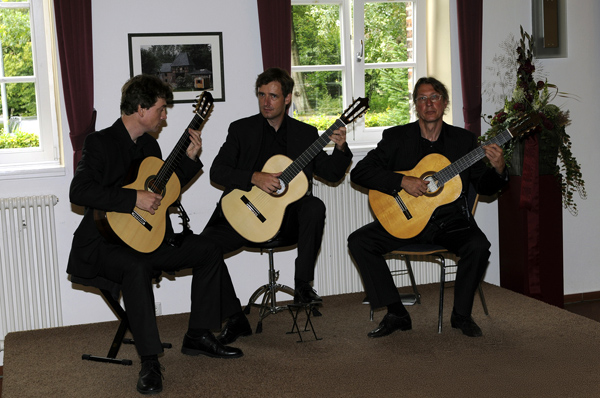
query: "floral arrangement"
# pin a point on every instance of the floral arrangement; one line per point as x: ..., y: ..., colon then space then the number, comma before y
x: 532, y: 95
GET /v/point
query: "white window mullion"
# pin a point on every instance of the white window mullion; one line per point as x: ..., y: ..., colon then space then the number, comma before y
x: 346, y: 47
x: 358, y: 59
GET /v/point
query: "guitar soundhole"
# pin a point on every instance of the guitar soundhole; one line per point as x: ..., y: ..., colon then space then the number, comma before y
x: 434, y: 187
x: 281, y: 191
x: 152, y: 186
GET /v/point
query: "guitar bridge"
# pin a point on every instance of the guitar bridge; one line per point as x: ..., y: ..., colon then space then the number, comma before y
x: 253, y: 209
x: 141, y: 220
x: 403, y: 207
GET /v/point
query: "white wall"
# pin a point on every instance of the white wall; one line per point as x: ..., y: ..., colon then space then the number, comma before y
x: 574, y: 74
x: 238, y: 20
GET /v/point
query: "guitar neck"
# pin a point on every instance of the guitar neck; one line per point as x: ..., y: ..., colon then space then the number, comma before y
x: 169, y: 166
x: 450, y: 171
x: 299, y: 164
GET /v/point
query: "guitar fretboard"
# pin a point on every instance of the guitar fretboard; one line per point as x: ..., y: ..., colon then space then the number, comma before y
x: 169, y: 166
x: 450, y: 171
x: 297, y: 165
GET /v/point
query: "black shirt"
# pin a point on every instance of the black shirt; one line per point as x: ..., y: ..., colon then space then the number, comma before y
x: 273, y: 143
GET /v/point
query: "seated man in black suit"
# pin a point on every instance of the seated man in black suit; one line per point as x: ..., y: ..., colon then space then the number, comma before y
x: 98, y: 184
x: 249, y: 144
x: 451, y: 226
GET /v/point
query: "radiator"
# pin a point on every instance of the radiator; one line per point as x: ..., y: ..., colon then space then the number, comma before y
x: 347, y: 210
x: 29, y: 281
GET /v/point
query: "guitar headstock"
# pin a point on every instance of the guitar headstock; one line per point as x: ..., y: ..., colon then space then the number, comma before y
x: 524, y: 124
x: 355, y: 110
x: 204, y: 104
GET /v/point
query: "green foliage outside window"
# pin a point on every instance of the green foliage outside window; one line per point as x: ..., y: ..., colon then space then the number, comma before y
x: 17, y: 57
x: 18, y: 139
x: 15, y: 35
x: 316, y: 41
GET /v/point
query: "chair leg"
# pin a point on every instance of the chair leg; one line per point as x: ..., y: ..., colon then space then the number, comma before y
x: 268, y: 304
x: 407, y: 299
x: 442, y: 285
x: 411, y: 275
x: 257, y: 293
x: 119, y: 338
x: 111, y: 357
x: 482, y: 297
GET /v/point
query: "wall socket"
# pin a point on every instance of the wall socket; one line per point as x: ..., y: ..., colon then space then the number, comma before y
x: 158, y: 308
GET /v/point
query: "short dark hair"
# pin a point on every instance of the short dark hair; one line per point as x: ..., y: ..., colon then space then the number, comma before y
x: 144, y: 90
x: 438, y: 86
x: 275, y: 75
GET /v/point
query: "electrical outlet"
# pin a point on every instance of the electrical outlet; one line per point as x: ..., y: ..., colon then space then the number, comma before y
x: 158, y: 308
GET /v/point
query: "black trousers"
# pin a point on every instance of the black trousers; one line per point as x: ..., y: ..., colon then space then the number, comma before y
x: 304, y: 220
x: 212, y: 295
x: 457, y: 234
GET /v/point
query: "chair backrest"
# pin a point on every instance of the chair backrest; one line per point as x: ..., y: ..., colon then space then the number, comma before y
x: 472, y: 199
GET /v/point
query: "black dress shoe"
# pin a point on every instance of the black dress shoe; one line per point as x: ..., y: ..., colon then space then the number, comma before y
x: 305, y: 294
x: 466, y: 324
x: 236, y: 326
x: 390, y: 323
x: 150, y: 380
x: 208, y: 345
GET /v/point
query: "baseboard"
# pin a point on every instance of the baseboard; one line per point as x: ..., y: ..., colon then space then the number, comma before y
x: 579, y: 297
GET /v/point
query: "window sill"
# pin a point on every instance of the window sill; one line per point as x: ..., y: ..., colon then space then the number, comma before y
x: 16, y: 172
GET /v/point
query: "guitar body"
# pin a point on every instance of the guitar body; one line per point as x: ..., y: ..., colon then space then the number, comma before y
x: 257, y: 215
x: 391, y: 216
x: 139, y: 229
x: 264, y: 225
x: 143, y: 237
x: 405, y: 216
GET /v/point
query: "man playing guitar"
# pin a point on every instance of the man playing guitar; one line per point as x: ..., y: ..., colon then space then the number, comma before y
x: 451, y: 226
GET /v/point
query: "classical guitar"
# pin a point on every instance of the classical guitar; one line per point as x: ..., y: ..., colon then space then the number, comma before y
x: 405, y: 216
x: 257, y: 215
x: 139, y: 229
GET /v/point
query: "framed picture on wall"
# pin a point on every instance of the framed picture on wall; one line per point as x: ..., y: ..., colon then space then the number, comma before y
x: 189, y: 62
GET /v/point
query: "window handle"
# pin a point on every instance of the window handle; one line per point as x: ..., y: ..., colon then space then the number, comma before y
x: 359, y: 55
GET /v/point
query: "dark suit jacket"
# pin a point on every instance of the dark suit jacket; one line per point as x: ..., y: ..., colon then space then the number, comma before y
x: 400, y: 150
x: 237, y: 158
x: 105, y: 167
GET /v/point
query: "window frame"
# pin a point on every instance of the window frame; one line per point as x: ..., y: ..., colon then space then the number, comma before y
x: 47, y: 159
x: 353, y: 71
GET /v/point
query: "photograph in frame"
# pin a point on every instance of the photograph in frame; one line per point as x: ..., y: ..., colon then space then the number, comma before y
x: 189, y: 62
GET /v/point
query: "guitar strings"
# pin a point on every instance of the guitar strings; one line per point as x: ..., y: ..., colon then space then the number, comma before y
x: 296, y: 167
x: 166, y: 171
x: 450, y: 171
x: 289, y: 173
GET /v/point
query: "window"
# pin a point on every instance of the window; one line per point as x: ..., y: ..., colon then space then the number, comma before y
x: 345, y: 49
x: 28, y: 119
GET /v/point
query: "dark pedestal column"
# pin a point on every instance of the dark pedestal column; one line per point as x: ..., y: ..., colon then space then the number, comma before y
x: 531, y: 246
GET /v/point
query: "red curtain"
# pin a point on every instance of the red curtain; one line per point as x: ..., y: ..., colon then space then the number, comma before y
x: 74, y: 34
x: 275, y: 20
x: 470, y: 19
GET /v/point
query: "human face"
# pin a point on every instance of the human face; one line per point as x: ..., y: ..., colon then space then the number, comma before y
x: 153, y: 117
x: 272, y: 103
x: 430, y: 111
